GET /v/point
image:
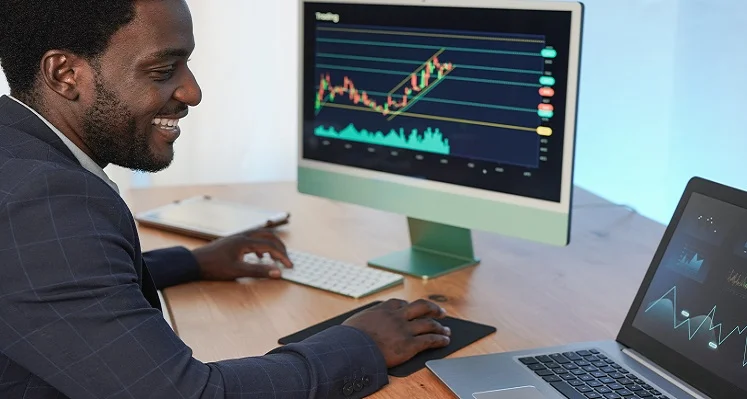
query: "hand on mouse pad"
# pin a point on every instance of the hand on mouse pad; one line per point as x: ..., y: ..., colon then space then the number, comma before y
x: 401, y: 330
x: 463, y: 333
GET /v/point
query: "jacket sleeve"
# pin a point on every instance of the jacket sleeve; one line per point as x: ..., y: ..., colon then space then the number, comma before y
x: 73, y: 314
x: 171, y: 266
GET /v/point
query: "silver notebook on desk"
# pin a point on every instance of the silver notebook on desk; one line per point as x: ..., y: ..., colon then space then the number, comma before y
x: 685, y: 335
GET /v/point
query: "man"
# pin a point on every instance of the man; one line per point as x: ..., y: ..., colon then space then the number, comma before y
x: 95, y: 82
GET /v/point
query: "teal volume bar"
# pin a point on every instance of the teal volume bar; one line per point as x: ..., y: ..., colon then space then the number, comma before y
x: 430, y: 141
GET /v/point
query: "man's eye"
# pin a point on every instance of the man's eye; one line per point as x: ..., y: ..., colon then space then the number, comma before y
x: 163, y: 74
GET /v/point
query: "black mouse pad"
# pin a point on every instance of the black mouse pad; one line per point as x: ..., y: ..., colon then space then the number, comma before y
x: 463, y: 333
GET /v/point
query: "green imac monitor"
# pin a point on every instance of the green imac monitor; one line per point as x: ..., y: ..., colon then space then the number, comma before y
x: 459, y: 115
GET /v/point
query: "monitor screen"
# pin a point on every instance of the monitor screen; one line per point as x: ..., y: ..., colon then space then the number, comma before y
x: 696, y: 303
x: 464, y: 96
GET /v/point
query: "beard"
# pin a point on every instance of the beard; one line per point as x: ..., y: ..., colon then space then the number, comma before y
x: 110, y: 132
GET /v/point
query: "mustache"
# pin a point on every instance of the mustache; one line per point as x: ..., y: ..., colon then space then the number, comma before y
x: 173, y: 111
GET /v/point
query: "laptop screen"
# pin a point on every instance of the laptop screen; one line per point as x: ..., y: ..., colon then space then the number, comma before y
x: 696, y: 303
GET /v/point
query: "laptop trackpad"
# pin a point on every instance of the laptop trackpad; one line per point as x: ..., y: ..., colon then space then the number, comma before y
x: 511, y: 393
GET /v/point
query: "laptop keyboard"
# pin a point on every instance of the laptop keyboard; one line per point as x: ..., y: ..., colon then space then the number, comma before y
x: 589, y: 374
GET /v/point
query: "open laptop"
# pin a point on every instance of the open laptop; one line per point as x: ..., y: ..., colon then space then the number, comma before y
x: 685, y: 335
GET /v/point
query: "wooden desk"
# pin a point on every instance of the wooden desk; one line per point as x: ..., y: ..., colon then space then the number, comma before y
x: 534, y: 294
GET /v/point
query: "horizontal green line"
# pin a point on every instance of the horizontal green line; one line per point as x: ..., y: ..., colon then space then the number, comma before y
x: 457, y: 102
x: 422, y: 46
x: 400, y: 73
x: 413, y: 62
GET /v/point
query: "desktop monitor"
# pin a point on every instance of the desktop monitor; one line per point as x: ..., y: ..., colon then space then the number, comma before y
x: 458, y: 114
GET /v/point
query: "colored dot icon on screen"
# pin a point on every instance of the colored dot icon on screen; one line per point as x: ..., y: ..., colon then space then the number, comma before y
x: 545, y: 113
x: 544, y: 131
x: 545, y: 107
x: 547, y: 80
x: 547, y: 92
x: 549, y: 52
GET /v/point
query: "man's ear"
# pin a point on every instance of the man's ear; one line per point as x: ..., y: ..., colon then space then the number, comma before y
x: 64, y: 73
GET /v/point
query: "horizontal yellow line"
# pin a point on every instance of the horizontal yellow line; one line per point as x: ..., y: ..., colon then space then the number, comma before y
x: 393, y: 32
x: 439, y: 118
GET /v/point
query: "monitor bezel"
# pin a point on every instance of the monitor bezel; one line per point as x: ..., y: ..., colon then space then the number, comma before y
x: 668, y: 359
x: 564, y: 205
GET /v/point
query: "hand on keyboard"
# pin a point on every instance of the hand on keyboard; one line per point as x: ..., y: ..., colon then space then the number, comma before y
x: 331, y: 275
x: 222, y: 259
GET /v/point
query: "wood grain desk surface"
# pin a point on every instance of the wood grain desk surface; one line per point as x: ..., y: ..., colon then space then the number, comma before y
x: 535, y: 295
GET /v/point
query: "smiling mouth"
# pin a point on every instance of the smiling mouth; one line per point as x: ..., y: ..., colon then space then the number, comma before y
x: 166, y: 124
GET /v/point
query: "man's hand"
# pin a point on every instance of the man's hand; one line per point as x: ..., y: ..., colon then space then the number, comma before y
x: 401, y: 330
x: 223, y: 259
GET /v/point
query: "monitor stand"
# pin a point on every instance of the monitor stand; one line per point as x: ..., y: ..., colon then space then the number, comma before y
x: 437, y: 249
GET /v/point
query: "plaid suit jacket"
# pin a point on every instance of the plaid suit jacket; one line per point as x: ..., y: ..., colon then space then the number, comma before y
x: 79, y: 313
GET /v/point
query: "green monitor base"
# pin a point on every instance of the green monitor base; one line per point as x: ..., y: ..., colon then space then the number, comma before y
x: 437, y: 249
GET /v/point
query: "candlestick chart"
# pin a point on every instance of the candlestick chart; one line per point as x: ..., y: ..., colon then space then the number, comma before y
x: 469, y: 95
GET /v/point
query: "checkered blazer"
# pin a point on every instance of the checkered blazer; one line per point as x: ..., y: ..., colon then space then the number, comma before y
x: 79, y: 313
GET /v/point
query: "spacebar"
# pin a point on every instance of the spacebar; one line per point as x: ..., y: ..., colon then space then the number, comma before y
x: 567, y: 390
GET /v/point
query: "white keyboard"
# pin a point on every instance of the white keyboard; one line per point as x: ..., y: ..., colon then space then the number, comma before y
x: 331, y: 275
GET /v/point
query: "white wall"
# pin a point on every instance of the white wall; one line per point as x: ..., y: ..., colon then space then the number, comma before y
x: 246, y: 63
x: 626, y: 99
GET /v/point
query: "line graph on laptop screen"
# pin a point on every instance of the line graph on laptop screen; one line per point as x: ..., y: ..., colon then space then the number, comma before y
x: 697, y: 299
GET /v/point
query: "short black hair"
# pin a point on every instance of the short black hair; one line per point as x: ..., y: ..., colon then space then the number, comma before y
x: 30, y: 28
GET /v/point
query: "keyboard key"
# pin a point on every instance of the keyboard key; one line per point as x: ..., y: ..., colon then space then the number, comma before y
x: 334, y: 276
x: 543, y: 373
x: 528, y: 360
x: 552, y: 378
x: 593, y: 395
x: 559, y: 358
x: 583, y: 353
x: 544, y: 359
x: 567, y: 390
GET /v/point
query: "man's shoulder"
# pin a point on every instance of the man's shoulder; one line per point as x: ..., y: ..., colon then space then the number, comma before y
x: 31, y: 166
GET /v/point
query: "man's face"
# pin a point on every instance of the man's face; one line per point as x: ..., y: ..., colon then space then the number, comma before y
x: 142, y: 87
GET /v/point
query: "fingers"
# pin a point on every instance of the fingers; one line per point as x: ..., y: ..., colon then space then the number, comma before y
x: 428, y: 326
x: 422, y: 308
x: 395, y: 303
x: 261, y: 270
x: 263, y: 246
x: 269, y: 236
x: 431, y: 341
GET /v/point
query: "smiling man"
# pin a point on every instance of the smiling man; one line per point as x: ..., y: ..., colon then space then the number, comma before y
x: 98, y: 82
